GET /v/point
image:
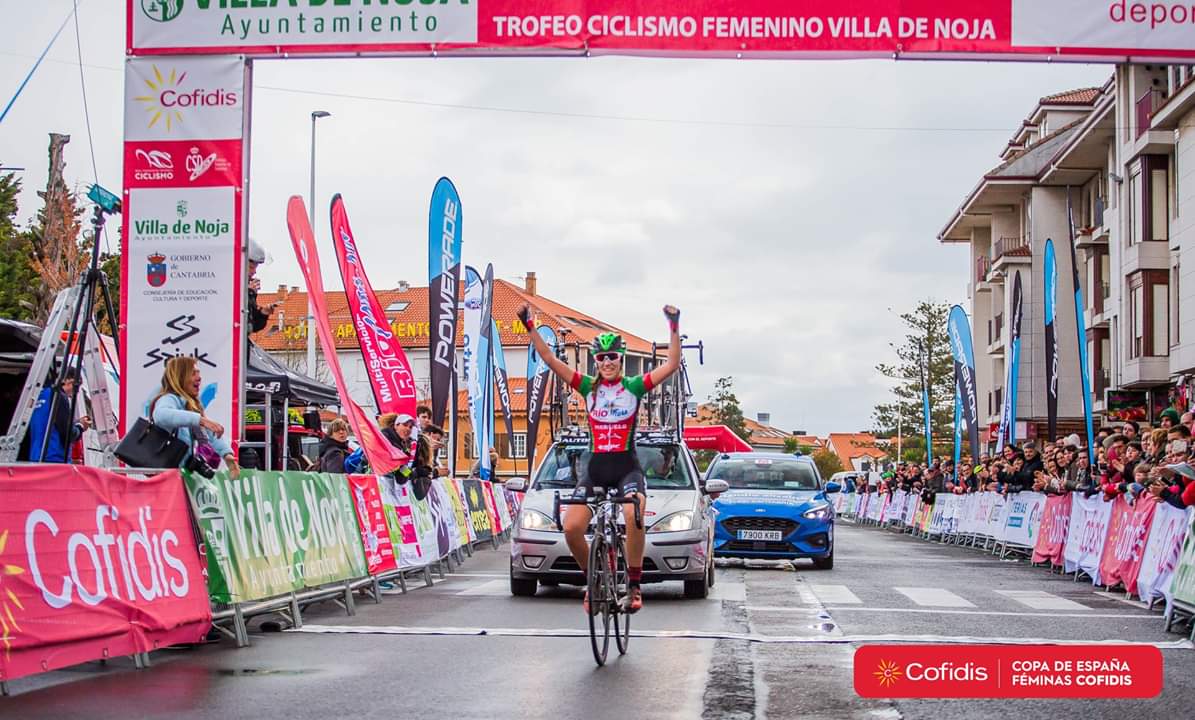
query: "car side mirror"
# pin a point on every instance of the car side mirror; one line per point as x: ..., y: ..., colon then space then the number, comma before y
x: 715, y: 488
x: 516, y: 485
x: 833, y: 487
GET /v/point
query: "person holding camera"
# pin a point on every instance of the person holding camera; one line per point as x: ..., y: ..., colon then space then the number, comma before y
x: 62, y: 430
x: 176, y: 408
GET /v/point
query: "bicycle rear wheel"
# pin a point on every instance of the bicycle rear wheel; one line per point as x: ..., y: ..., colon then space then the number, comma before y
x: 599, y: 598
x: 622, y: 618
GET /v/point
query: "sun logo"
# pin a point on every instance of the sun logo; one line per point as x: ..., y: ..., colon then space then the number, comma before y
x: 153, y: 102
x: 888, y: 673
x: 8, y: 599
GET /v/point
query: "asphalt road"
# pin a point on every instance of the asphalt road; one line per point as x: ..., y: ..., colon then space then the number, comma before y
x: 465, y: 648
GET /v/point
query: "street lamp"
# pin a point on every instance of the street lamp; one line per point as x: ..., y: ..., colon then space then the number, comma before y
x: 311, y: 211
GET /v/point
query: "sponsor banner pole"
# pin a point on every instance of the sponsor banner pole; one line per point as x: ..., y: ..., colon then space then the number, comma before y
x: 486, y: 360
x: 1050, y: 268
x: 383, y: 457
x: 444, y: 236
x: 390, y: 375
x: 502, y: 383
x: 927, y: 408
x: 1008, y: 414
x: 959, y: 330
x: 537, y: 389
x: 1081, y: 334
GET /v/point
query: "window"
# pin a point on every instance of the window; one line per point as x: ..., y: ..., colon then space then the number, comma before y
x: 398, y: 306
x: 1149, y: 314
x: 1149, y: 199
x: 519, y: 445
x: 1134, y: 213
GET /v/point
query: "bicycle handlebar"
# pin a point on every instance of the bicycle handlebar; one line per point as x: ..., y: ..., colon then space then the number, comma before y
x: 596, y: 500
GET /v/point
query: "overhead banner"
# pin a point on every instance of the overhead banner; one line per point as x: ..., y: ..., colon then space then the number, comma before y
x: 749, y: 28
x: 94, y: 565
x: 1050, y: 271
x: 1008, y: 414
x: 383, y: 457
x: 181, y: 290
x: 444, y: 233
x: 537, y: 391
x: 959, y: 330
x: 269, y: 533
x: 386, y: 364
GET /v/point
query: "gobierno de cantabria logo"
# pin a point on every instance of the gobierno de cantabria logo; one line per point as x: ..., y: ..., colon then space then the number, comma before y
x: 161, y: 10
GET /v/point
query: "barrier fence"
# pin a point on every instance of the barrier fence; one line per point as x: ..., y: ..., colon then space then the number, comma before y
x: 1146, y: 547
x: 95, y: 564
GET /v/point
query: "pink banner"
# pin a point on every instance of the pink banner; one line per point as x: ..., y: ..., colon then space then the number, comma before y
x: 94, y: 565
x: 1128, y: 547
x: 1115, y: 547
x: 1051, y: 536
x: 371, y: 517
x: 383, y: 457
x: 389, y: 372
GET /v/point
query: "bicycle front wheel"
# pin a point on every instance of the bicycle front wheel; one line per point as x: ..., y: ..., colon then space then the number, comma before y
x: 622, y: 618
x: 599, y: 587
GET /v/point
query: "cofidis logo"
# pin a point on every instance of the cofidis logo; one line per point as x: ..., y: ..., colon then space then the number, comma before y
x: 171, y: 94
x: 1008, y: 671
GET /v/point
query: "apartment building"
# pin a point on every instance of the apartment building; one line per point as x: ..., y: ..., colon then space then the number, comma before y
x: 1123, y: 154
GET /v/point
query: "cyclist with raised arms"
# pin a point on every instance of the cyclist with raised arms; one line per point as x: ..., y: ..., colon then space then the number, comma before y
x: 612, y: 401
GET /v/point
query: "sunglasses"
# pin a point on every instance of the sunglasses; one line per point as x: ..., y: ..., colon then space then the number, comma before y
x: 608, y: 357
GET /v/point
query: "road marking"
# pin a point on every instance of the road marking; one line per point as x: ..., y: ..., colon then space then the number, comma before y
x: 805, y: 593
x: 732, y: 591
x: 453, y: 574
x: 936, y: 611
x: 493, y: 588
x: 933, y: 597
x: 1040, y: 600
x: 1119, y: 597
x: 836, y: 595
x: 706, y: 635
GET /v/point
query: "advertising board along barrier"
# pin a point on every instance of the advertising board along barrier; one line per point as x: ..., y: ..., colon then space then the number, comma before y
x: 94, y: 565
x: 1021, y: 520
x: 1051, y: 535
x: 1085, y: 535
x: 1162, y: 550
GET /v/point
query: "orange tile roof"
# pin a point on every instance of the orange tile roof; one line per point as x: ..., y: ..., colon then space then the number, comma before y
x: 848, y: 446
x: 1079, y: 96
x: 411, y: 323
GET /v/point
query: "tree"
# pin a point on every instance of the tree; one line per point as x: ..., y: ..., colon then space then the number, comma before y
x: 790, y: 445
x: 18, y: 279
x: 110, y: 265
x: 60, y: 252
x: 726, y: 409
x: 926, y: 345
x: 827, y: 463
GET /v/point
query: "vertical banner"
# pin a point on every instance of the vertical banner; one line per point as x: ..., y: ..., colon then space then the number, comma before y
x: 375, y: 529
x: 445, y: 225
x: 1081, y: 333
x: 958, y: 430
x: 383, y: 457
x: 390, y: 374
x: 1050, y: 268
x: 927, y: 410
x: 181, y: 270
x: 1008, y: 414
x: 959, y: 330
x: 502, y: 384
x: 478, y: 361
x: 94, y: 565
x: 537, y: 389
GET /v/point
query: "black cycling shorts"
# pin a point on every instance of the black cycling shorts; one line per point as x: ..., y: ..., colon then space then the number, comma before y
x: 616, y: 469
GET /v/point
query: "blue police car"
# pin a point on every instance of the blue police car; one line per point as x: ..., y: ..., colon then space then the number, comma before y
x: 776, y: 508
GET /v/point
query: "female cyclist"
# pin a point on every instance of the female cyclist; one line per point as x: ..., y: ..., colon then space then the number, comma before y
x: 612, y: 401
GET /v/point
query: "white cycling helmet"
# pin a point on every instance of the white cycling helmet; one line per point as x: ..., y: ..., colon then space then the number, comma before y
x: 257, y: 254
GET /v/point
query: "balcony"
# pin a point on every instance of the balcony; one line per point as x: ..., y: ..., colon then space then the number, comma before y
x: 1008, y: 250
x: 1144, y: 372
x: 996, y: 336
x: 983, y: 267
x: 1149, y: 141
x: 1147, y: 105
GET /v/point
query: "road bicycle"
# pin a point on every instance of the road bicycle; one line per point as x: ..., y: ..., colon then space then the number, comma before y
x: 606, y: 577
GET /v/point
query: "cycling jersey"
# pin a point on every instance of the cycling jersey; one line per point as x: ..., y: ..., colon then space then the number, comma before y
x: 613, y: 409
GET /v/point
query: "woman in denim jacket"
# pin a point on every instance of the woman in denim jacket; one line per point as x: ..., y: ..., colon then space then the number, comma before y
x: 177, y: 409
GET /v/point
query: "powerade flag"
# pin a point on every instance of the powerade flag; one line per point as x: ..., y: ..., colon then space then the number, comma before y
x: 1081, y: 332
x: 502, y: 383
x: 926, y: 409
x: 1008, y: 415
x: 958, y: 429
x: 1051, y: 287
x: 964, y: 369
x: 390, y: 374
x: 476, y: 366
x: 487, y: 361
x: 537, y: 390
x: 444, y: 226
x: 383, y: 457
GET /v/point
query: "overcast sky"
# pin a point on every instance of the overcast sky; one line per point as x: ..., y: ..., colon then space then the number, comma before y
x: 783, y: 206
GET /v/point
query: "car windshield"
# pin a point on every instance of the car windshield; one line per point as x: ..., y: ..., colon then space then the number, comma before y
x: 765, y: 474
x: 661, y: 467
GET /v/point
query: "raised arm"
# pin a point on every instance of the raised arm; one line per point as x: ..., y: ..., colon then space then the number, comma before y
x: 555, y: 364
x: 672, y: 364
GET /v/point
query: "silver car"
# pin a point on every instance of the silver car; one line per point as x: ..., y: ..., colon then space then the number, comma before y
x: 679, y: 520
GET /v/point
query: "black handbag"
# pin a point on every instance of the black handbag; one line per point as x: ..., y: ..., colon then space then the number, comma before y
x: 148, y: 446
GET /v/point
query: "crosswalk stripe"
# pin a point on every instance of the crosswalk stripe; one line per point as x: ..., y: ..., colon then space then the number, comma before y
x: 1040, y: 600
x: 806, y: 595
x: 836, y: 595
x: 933, y: 597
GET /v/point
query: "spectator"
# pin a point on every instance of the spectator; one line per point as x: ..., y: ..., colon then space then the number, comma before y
x: 1168, y: 419
x: 423, y: 418
x: 176, y: 408
x: 335, y: 447
x: 430, y: 440
x: 1130, y: 429
x: 63, y: 432
x: 259, y: 317
x: 475, y: 471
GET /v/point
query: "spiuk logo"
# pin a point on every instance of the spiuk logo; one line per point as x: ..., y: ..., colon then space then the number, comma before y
x: 887, y: 673
x: 8, y: 599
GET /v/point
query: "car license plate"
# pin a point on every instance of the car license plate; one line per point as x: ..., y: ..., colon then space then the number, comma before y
x: 759, y: 534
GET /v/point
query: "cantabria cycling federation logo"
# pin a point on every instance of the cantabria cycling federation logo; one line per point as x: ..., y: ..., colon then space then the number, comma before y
x: 161, y: 10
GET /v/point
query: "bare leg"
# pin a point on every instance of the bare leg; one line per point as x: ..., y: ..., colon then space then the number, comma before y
x: 576, y: 522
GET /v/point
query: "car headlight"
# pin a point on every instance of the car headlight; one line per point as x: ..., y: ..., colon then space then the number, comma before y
x: 821, y: 512
x: 676, y: 522
x: 535, y: 520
